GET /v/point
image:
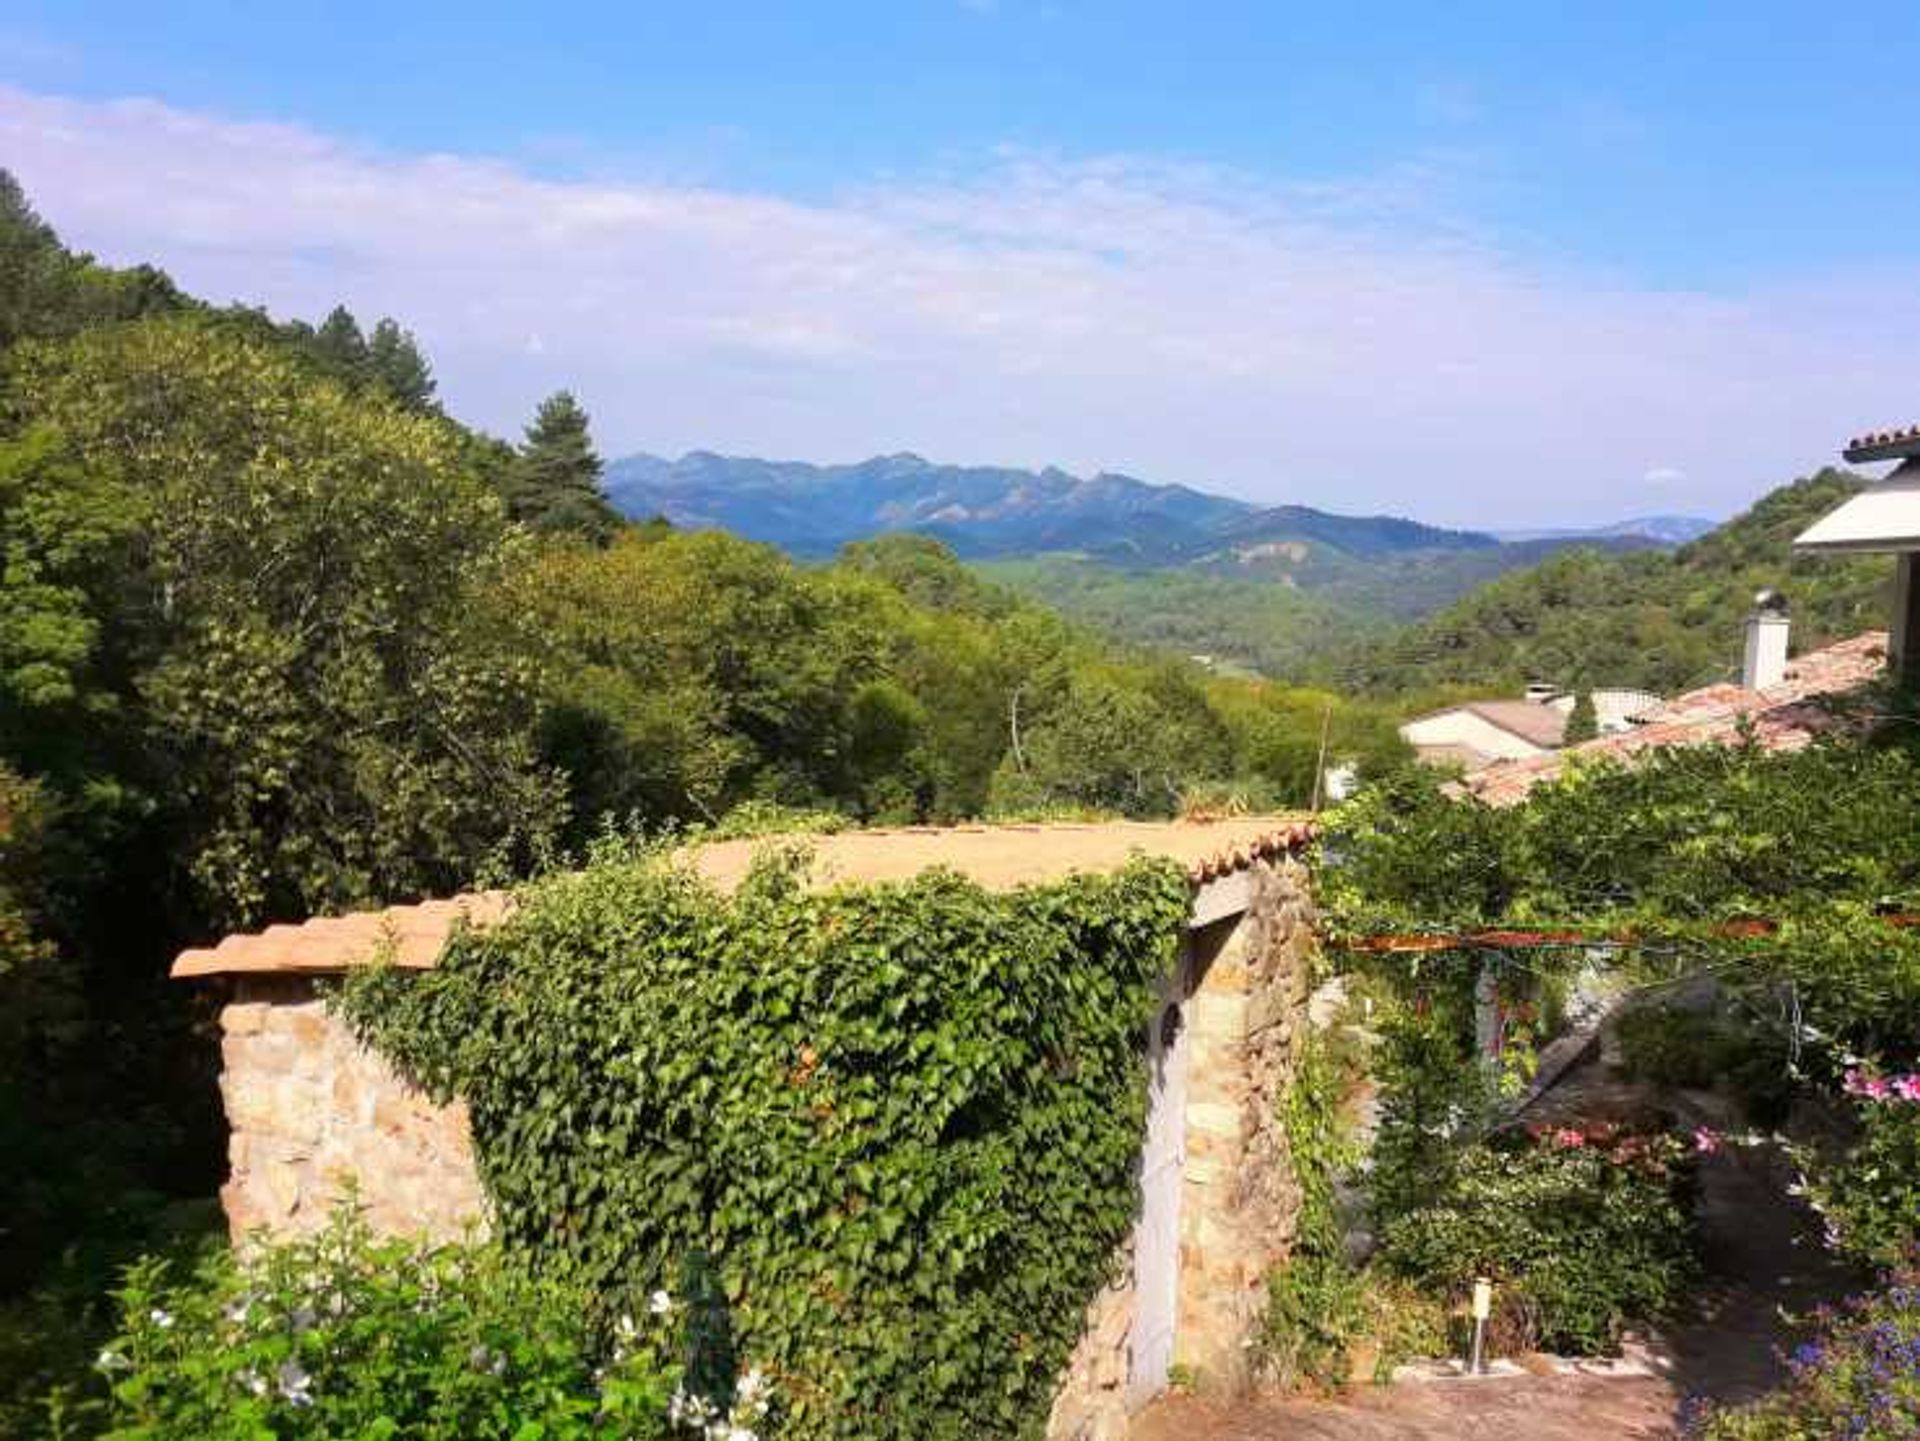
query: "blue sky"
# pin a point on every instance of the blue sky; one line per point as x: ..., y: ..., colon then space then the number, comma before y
x: 1406, y: 257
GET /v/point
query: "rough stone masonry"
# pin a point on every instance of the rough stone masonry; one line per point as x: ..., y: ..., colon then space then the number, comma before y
x: 1251, y: 976
x: 316, y: 1115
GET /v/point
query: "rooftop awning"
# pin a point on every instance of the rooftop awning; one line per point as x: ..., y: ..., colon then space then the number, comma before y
x: 1883, y: 517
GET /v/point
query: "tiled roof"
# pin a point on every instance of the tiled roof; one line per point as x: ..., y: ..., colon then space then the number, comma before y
x: 1452, y: 753
x: 1884, y: 444
x: 997, y: 857
x: 1783, y: 717
x: 1540, y: 724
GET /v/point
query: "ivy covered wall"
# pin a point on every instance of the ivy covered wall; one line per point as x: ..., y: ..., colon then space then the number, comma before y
x: 903, y: 1120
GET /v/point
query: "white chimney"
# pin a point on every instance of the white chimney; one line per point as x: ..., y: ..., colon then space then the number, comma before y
x: 1765, y: 663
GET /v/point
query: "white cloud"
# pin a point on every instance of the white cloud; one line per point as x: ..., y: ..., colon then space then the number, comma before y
x: 1664, y: 475
x: 1355, y: 346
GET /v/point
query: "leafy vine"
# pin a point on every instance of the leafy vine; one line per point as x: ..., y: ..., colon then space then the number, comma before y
x: 902, y: 1119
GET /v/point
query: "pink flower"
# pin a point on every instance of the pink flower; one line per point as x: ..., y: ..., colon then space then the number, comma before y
x: 1566, y: 1138
x: 1873, y: 1088
x: 1907, y: 1087
x: 1705, y: 1140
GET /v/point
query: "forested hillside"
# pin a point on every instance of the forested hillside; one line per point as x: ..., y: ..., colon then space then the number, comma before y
x: 1262, y: 625
x: 278, y: 636
x: 1659, y: 621
x: 1293, y: 611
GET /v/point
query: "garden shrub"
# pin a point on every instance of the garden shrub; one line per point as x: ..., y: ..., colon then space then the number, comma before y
x: 902, y: 1119
x: 1582, y: 1232
x: 1674, y: 1046
x: 1434, y: 1100
x: 1670, y: 1046
x: 340, y: 1335
x: 1316, y: 1299
x: 1858, y: 1379
x: 1870, y: 1196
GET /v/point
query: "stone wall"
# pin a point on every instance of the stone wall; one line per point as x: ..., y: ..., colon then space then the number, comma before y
x: 1091, y: 1404
x: 1239, y: 1204
x: 313, y: 1113
x: 1249, y: 979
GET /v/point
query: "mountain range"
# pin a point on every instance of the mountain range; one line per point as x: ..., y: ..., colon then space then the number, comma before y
x: 985, y: 512
x: 1667, y: 529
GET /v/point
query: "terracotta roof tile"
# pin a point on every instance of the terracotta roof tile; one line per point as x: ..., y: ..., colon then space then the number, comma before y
x: 1883, y: 444
x: 998, y: 857
x: 1786, y: 717
x: 1886, y: 437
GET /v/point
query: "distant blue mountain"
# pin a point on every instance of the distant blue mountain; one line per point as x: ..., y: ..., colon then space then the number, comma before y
x: 984, y: 511
x: 1663, y: 529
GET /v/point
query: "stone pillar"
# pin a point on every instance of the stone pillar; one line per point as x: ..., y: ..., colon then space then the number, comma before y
x: 314, y: 1114
x: 1239, y: 1203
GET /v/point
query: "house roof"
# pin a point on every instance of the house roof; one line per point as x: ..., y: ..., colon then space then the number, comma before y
x: 1784, y: 717
x: 1895, y: 444
x: 997, y: 857
x: 1537, y: 724
x: 1885, y: 516
x: 1540, y: 724
x: 1453, y: 753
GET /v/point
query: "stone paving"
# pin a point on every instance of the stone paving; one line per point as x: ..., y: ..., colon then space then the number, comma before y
x: 1553, y: 1408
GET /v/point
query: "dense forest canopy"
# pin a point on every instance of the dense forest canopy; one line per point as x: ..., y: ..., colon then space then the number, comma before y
x: 1656, y: 621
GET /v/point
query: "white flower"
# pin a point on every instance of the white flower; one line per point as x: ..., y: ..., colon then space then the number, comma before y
x: 237, y: 1310
x: 750, y: 1392
x: 295, y: 1384
x: 660, y: 1303
x: 689, y: 1410
x: 253, y: 1381
x: 160, y: 1318
x: 111, y: 1360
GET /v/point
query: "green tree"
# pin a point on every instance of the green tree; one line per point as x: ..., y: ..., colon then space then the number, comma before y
x: 1583, y: 722
x: 1105, y: 746
x: 323, y: 718
x: 395, y: 361
x: 926, y: 572
x: 47, y: 291
x: 555, y: 486
x: 65, y: 528
x: 342, y: 348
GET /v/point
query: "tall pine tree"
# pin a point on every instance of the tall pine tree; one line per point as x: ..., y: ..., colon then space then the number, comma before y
x: 555, y: 483
x: 341, y: 347
x: 397, y: 364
